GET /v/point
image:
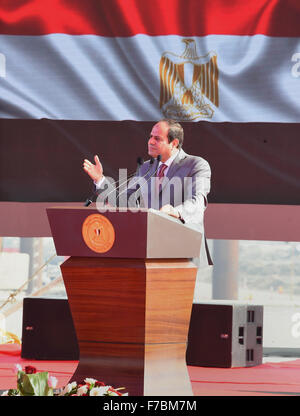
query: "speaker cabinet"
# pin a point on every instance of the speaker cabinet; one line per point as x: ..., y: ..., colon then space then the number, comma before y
x: 225, y: 335
x: 48, y: 331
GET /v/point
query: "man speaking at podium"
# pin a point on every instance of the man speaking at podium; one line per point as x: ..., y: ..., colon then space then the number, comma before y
x: 177, y: 184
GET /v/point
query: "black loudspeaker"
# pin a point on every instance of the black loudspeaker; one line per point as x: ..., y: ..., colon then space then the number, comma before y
x: 48, y: 331
x: 225, y: 335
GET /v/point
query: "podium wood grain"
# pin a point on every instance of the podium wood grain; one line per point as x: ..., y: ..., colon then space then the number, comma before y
x: 132, y: 318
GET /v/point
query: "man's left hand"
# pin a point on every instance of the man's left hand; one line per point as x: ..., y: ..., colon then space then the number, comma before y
x: 168, y: 209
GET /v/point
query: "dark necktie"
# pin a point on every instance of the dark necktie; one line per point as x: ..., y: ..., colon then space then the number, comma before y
x: 161, y: 173
x: 160, y: 178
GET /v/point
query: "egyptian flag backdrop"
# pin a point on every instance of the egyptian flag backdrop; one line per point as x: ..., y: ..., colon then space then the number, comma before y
x: 79, y: 78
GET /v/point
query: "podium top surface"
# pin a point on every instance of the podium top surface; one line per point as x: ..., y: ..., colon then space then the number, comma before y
x: 121, y: 233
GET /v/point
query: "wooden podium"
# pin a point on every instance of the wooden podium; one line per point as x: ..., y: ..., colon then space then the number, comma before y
x: 130, y: 285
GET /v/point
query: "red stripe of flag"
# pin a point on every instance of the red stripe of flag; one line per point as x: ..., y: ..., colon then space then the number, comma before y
x: 124, y: 18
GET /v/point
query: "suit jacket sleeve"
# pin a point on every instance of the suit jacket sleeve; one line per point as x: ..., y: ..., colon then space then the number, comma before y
x: 196, y: 189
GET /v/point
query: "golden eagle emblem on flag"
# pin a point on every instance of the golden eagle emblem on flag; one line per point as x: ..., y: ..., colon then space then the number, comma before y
x: 188, y: 84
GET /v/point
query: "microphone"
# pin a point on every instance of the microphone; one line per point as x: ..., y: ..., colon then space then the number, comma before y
x: 138, y: 178
x: 140, y: 162
x: 89, y: 200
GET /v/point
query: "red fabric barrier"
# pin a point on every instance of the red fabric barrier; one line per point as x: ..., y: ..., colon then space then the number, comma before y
x: 269, y: 379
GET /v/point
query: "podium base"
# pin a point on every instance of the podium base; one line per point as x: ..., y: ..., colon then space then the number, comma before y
x: 132, y: 318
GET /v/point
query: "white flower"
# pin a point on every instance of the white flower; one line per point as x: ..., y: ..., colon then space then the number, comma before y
x: 82, y: 390
x: 17, y: 367
x: 99, y: 391
x: 5, y: 393
x: 52, y: 381
x: 90, y: 380
x: 68, y: 388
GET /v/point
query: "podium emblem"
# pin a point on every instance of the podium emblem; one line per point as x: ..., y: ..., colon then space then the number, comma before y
x: 98, y: 233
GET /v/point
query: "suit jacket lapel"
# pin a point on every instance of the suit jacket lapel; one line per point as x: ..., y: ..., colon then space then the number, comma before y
x: 174, y: 166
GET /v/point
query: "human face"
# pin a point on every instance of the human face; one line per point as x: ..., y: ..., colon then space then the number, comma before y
x: 158, y: 143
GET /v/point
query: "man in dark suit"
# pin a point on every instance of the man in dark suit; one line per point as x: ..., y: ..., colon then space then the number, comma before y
x: 177, y: 186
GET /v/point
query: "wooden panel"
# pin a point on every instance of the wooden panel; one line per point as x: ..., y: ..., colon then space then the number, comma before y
x: 118, y: 365
x: 145, y: 370
x: 132, y: 318
x: 166, y: 372
x: 107, y: 298
x: 169, y: 299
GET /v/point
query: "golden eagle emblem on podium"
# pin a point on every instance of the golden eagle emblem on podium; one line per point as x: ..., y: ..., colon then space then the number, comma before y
x: 188, y: 84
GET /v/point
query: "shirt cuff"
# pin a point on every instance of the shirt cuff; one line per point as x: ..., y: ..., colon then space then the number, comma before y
x: 99, y: 183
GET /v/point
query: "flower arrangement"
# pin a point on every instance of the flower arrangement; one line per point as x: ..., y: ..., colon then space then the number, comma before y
x: 33, y: 383
x: 90, y: 387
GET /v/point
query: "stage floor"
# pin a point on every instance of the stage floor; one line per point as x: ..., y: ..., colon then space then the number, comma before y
x: 268, y: 379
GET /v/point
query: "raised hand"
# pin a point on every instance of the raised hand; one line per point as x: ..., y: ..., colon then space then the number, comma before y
x: 95, y: 171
